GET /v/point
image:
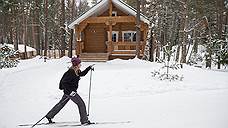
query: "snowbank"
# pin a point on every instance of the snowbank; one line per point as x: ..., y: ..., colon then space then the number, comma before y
x: 122, y: 91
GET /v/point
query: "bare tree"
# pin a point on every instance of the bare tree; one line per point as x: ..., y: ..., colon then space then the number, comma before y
x: 183, y: 33
x: 46, y: 29
x: 71, y: 31
x: 220, y: 4
x: 37, y: 26
x: 138, y: 33
x: 24, y: 30
x: 62, y: 22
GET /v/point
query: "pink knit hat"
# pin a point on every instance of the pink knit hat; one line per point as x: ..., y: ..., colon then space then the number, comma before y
x: 75, y: 61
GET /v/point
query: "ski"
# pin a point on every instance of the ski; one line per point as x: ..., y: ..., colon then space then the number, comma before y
x: 74, y: 123
x: 55, y: 123
x: 93, y: 123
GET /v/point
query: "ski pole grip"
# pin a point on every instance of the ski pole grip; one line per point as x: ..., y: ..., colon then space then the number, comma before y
x: 92, y: 68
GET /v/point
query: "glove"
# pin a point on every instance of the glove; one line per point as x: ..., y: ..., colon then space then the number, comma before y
x: 91, y: 67
x: 73, y: 93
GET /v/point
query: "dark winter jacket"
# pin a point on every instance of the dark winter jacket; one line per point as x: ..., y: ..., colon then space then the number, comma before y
x: 69, y: 81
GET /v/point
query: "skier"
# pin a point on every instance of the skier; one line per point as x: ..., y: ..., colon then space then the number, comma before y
x: 69, y: 85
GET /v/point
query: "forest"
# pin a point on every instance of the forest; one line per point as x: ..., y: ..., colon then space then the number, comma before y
x: 177, y: 27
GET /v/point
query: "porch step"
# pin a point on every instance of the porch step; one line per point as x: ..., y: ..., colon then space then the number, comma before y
x: 94, y: 57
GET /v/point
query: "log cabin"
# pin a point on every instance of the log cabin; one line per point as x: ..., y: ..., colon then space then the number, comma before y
x: 108, y: 31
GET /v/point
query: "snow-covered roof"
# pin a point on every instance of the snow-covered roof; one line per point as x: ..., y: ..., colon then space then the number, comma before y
x: 102, y: 6
x: 21, y: 48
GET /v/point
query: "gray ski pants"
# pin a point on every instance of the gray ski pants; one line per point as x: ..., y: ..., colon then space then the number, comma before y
x: 77, y: 100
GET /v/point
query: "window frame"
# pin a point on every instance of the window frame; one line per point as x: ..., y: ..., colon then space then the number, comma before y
x: 131, y: 38
x: 117, y: 35
x: 115, y: 13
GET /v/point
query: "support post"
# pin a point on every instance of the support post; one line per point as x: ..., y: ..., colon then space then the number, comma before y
x: 77, y: 40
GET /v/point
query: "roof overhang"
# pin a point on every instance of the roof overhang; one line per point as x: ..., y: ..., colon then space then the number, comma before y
x: 102, y: 6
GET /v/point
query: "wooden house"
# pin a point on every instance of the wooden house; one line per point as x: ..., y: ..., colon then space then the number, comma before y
x: 108, y: 31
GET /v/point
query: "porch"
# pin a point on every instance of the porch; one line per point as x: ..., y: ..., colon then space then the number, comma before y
x: 122, y: 50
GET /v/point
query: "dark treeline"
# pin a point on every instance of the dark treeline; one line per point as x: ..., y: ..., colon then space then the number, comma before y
x: 183, y: 22
x: 41, y: 24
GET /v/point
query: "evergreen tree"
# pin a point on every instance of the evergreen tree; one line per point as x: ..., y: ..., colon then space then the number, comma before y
x: 6, y: 55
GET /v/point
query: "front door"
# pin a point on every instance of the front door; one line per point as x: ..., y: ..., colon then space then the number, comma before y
x: 95, y: 39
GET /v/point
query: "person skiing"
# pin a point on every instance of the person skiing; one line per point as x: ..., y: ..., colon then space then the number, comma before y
x: 69, y: 85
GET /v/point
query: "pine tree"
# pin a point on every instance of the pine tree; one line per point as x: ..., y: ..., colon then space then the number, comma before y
x: 6, y: 55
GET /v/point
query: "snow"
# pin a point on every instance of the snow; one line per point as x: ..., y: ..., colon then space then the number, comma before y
x: 21, y: 47
x: 122, y: 91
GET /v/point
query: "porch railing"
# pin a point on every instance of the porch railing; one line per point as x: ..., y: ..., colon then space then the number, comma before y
x: 126, y: 47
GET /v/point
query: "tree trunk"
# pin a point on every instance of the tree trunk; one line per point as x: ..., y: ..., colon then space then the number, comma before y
x: 33, y: 32
x: 178, y: 53
x: 24, y: 20
x: 184, y: 34
x: 16, y: 35
x: 37, y: 27
x: 178, y: 39
x: 26, y: 34
x: 72, y: 30
x: 152, y: 45
x: 70, y: 43
x: 195, y: 41
x: 162, y: 42
x: 220, y: 4
x: 11, y: 31
x: 143, y: 5
x: 5, y: 24
x: 184, y: 52
x: 158, y: 46
x: 208, y: 48
x: 15, y: 43
x: 45, y: 30
x: 208, y: 57
x: 62, y: 21
x: 138, y: 33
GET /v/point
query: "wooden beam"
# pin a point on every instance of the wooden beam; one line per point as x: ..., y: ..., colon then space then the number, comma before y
x: 116, y: 19
x: 77, y: 34
x: 111, y: 20
x: 120, y: 43
x: 110, y: 8
x: 108, y: 21
x: 144, y: 39
x: 143, y: 26
x: 82, y: 26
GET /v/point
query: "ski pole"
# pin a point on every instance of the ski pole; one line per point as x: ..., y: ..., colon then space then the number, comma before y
x: 92, y: 69
x: 38, y: 122
x: 46, y: 114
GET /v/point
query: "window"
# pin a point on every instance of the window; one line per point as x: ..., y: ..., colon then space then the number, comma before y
x: 114, y: 36
x: 134, y: 36
x: 114, y: 13
x: 129, y: 36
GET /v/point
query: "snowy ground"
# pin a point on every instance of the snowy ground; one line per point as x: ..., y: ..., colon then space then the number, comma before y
x: 122, y: 91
